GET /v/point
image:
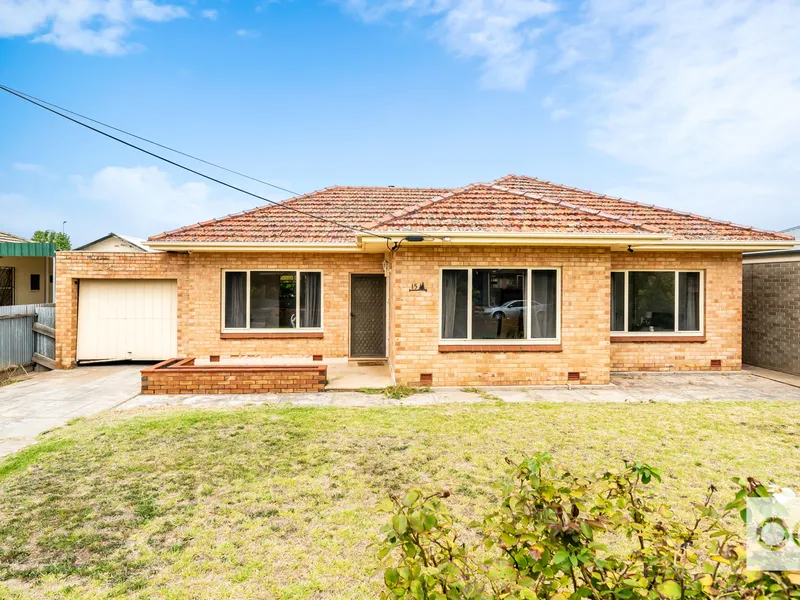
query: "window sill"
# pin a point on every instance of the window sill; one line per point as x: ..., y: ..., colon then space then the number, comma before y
x: 269, y: 335
x: 655, y: 339
x: 499, y: 348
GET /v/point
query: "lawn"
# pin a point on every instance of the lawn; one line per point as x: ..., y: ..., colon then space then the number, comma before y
x: 279, y: 503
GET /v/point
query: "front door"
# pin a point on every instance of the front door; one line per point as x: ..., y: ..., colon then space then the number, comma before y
x: 367, y: 316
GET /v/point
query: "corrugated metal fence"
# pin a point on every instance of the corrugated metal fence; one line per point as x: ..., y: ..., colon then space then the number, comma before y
x: 19, y: 340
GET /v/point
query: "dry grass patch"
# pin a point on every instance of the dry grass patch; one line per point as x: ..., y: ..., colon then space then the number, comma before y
x: 279, y: 502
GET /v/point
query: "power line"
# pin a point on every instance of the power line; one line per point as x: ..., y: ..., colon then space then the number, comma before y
x: 144, y: 139
x: 189, y: 169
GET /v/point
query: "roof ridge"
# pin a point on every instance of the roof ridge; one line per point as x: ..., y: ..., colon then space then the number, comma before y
x: 585, y: 209
x: 492, y: 186
x: 642, y: 204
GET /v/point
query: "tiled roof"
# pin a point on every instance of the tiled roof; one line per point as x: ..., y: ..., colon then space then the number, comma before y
x: 10, y: 237
x: 483, y: 207
x: 510, y: 204
x: 355, y: 206
x: 677, y: 224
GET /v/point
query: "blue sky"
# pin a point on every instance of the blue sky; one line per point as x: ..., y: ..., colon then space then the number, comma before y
x: 692, y: 104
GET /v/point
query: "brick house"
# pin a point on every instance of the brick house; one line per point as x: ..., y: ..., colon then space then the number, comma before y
x: 515, y: 282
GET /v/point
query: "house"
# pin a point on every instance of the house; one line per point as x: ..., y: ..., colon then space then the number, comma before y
x: 771, y: 311
x: 515, y: 282
x: 26, y: 271
x: 115, y: 242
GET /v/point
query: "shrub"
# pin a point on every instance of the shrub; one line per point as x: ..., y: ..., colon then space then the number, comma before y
x: 561, y: 536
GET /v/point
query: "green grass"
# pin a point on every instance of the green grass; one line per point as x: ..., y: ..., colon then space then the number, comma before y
x: 279, y: 502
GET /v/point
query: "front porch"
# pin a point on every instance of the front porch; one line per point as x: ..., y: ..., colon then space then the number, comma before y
x: 257, y: 375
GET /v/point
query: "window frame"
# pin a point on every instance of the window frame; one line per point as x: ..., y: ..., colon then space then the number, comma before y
x: 38, y: 280
x: 284, y: 330
x: 528, y: 295
x: 676, y: 332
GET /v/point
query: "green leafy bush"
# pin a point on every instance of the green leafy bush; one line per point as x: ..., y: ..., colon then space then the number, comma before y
x: 560, y: 536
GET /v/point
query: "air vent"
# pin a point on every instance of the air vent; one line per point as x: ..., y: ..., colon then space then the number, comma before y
x: 716, y: 363
x: 573, y: 376
x: 317, y: 357
x: 426, y: 378
x: 214, y: 358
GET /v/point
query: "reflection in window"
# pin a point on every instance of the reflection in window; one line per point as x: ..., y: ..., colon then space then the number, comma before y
x: 651, y: 301
x: 272, y: 299
x: 498, y: 304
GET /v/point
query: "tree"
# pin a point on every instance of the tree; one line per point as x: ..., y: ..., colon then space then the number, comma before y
x: 48, y: 236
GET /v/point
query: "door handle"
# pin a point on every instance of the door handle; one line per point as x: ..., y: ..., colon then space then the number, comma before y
x: 352, y: 316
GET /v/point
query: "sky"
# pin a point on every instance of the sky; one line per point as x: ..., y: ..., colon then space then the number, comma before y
x: 689, y: 104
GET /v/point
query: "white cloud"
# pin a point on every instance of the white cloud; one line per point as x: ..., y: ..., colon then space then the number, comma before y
x: 89, y: 26
x: 145, y: 200
x: 502, y: 34
x: 209, y: 14
x: 701, y: 95
x: 247, y: 33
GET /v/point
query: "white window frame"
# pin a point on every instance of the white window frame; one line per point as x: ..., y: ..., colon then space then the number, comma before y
x: 528, y: 296
x: 286, y: 330
x: 676, y: 332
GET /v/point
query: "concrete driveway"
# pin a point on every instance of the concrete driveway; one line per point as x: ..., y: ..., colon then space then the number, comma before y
x: 48, y: 400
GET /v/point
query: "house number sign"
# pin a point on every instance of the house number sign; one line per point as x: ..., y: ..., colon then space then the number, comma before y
x: 417, y: 287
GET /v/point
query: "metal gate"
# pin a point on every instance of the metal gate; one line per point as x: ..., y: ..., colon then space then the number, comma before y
x: 367, y: 316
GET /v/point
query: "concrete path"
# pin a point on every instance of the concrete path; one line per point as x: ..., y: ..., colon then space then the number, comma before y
x: 48, y: 400
x: 650, y: 387
x: 51, y: 399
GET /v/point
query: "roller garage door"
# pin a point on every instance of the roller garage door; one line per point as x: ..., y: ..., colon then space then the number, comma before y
x: 127, y: 319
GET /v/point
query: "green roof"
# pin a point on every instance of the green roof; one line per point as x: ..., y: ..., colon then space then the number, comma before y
x: 27, y: 249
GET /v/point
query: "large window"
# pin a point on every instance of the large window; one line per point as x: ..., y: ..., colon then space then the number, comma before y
x: 272, y: 300
x: 500, y: 304
x: 647, y: 302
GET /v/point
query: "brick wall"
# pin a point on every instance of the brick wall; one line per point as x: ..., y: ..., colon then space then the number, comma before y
x: 585, y: 298
x: 723, y: 316
x: 199, y: 298
x: 771, y: 325
x: 185, y: 378
x: 413, y: 348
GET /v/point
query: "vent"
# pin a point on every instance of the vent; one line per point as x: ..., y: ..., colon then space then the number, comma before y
x: 426, y: 378
x: 573, y: 376
x: 214, y: 358
x: 317, y: 357
x: 716, y: 363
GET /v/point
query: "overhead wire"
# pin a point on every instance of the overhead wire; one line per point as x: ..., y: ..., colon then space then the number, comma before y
x: 50, y: 107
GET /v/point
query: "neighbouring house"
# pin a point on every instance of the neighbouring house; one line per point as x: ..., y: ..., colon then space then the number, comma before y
x: 26, y: 271
x: 515, y: 282
x: 771, y: 308
x: 115, y: 242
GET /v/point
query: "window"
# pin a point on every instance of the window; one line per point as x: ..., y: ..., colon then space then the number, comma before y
x: 272, y: 300
x: 656, y: 302
x: 35, y: 282
x: 6, y: 286
x: 500, y: 304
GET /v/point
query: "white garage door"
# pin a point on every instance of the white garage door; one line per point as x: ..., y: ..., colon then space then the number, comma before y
x: 127, y: 319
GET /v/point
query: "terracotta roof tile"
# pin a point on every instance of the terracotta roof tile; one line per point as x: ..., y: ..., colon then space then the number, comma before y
x: 510, y: 204
x: 677, y: 224
x: 487, y: 208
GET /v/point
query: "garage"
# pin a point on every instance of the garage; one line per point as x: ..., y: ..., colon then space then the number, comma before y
x: 127, y: 319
